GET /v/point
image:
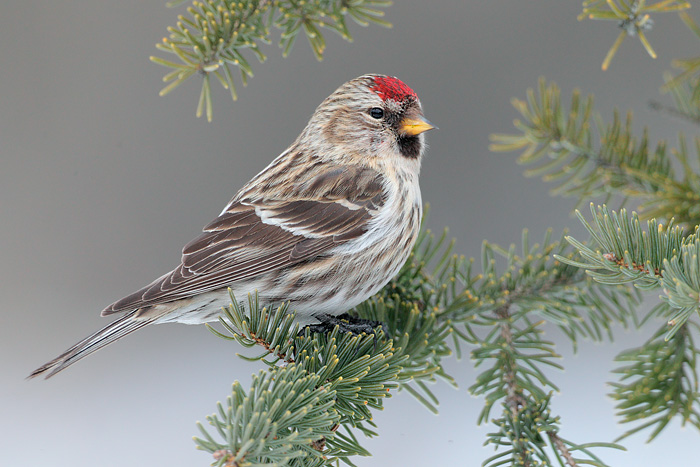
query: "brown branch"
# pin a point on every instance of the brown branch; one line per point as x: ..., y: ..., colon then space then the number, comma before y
x: 561, y: 447
x: 221, y: 453
x: 320, y: 444
x: 514, y: 398
x: 266, y: 345
x: 621, y: 262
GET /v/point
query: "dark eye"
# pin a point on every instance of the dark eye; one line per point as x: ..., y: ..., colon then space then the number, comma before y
x: 376, y: 112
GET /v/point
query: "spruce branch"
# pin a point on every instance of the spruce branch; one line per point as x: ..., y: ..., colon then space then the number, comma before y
x: 659, y: 381
x: 436, y: 298
x: 588, y: 158
x: 581, y: 167
x: 632, y: 16
x: 360, y: 371
x: 214, y: 35
x: 656, y: 257
x: 274, y: 423
x: 507, y: 312
x: 261, y: 326
x: 315, y: 384
x: 536, y: 281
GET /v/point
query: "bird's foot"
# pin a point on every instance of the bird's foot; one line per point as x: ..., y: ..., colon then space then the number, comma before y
x: 345, y: 323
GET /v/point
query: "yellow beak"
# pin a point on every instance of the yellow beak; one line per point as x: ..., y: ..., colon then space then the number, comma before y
x: 416, y: 126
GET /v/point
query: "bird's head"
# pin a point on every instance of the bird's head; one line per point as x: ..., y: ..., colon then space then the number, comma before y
x: 373, y: 116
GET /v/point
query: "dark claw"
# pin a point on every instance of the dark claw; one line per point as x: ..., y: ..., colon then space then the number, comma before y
x: 346, y: 323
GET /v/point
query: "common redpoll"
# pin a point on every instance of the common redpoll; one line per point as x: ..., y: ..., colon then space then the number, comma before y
x: 326, y: 225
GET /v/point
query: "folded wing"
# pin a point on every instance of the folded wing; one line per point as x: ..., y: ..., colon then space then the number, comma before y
x: 256, y: 235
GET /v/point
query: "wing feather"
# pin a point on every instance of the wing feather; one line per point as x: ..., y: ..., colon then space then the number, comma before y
x: 256, y: 234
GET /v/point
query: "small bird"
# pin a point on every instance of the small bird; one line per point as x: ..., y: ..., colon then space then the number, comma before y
x: 325, y: 226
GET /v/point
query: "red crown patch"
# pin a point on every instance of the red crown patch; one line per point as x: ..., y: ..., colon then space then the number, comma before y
x: 388, y: 87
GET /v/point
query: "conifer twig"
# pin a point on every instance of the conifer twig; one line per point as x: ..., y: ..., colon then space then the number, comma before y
x: 216, y: 35
x: 632, y: 16
x: 588, y: 158
x: 561, y: 447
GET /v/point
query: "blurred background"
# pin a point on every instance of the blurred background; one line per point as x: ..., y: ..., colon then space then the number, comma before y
x: 102, y: 182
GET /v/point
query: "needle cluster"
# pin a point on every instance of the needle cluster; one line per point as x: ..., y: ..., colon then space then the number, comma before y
x: 633, y: 17
x: 586, y: 157
x: 657, y: 249
x: 216, y: 37
x: 320, y: 390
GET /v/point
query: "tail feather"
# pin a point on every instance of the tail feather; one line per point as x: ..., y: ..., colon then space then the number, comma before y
x: 105, y: 336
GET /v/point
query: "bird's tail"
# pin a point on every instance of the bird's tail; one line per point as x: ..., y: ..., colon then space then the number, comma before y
x: 127, y: 324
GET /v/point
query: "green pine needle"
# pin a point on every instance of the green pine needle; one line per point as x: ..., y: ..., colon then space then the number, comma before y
x: 436, y: 299
x: 216, y: 34
x: 632, y: 16
x: 586, y: 158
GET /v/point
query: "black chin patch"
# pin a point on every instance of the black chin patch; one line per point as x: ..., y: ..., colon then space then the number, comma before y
x: 409, y: 146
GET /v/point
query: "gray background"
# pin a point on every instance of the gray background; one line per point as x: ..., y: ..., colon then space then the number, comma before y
x: 102, y: 182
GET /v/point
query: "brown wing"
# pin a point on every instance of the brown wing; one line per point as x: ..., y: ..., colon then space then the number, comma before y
x: 255, y: 235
